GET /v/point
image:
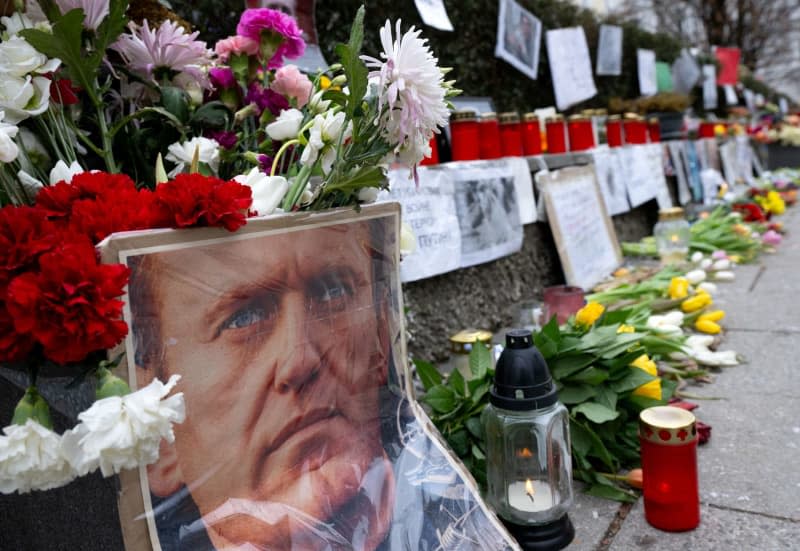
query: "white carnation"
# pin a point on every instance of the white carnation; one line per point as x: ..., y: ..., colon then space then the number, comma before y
x: 124, y: 432
x: 31, y: 459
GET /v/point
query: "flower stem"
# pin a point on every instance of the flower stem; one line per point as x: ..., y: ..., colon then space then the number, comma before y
x: 296, y: 191
x: 105, y: 136
x: 280, y: 153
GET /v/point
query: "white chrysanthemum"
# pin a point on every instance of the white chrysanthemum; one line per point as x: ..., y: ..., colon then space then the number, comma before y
x: 412, y: 88
x: 31, y: 459
x: 182, y: 153
x: 124, y: 432
x: 324, y: 137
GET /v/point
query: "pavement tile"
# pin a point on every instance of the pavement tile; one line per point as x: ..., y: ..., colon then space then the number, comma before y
x: 720, y: 529
x: 591, y: 517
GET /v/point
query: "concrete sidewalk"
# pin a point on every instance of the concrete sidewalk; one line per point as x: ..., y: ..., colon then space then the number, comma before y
x: 750, y: 469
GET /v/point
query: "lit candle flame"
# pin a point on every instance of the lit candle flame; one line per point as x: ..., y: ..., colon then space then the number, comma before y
x: 674, y: 238
x: 529, y: 488
x: 524, y: 452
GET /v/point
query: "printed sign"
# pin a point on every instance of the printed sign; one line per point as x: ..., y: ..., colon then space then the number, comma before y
x: 709, y: 87
x: 584, y: 235
x: 676, y: 154
x: 685, y: 72
x: 646, y: 64
x: 664, y: 77
x: 610, y: 173
x: 434, y: 14
x: 639, y: 179
x: 609, y: 51
x: 570, y: 66
x: 519, y: 37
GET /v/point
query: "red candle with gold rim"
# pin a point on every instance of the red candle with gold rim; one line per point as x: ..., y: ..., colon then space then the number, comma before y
x: 635, y: 129
x: 464, y: 135
x: 654, y: 130
x: 531, y: 134
x: 581, y: 134
x: 490, y: 136
x: 614, y: 131
x: 556, y: 134
x: 510, y: 134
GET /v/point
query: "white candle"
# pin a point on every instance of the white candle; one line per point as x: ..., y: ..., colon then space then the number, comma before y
x: 530, y: 495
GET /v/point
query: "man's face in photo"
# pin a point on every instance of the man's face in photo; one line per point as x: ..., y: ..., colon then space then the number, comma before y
x: 282, y: 346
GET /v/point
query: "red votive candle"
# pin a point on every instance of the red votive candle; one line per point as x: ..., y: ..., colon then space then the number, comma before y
x: 654, y: 130
x: 433, y: 159
x: 562, y: 301
x: 510, y: 134
x: 614, y: 131
x: 635, y: 129
x: 490, y: 136
x: 668, y: 436
x: 581, y: 134
x: 531, y: 134
x: 464, y: 135
x: 706, y: 129
x: 556, y: 134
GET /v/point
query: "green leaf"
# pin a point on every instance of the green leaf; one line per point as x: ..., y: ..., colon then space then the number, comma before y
x: 564, y: 366
x: 590, y: 376
x: 480, y: 360
x: 547, y: 346
x: 668, y: 388
x: 477, y: 395
x: 368, y: 176
x: 456, y: 381
x: 176, y: 101
x: 111, y: 27
x: 610, y: 492
x: 354, y: 68
x: 580, y: 438
x: 633, y: 380
x: 428, y: 374
x: 211, y: 115
x: 336, y: 96
x: 644, y: 402
x: 477, y: 453
x: 575, y: 394
x: 459, y: 441
x: 595, y: 412
x: 440, y: 398
x: 475, y: 427
x: 606, y: 397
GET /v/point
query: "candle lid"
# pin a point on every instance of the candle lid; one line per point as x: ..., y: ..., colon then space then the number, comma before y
x: 522, y: 381
x: 489, y: 116
x: 578, y: 117
x: 614, y: 117
x: 461, y: 342
x: 632, y: 117
x: 672, y: 213
x: 667, y: 425
x: 555, y: 118
x: 653, y: 120
x: 509, y: 117
x: 463, y: 115
x: 530, y: 117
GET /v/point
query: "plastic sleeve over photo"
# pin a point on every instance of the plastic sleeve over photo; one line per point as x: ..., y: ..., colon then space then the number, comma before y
x: 301, y: 429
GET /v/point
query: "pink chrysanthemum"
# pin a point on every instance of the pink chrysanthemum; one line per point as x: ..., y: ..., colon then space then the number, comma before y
x: 148, y: 51
x: 94, y: 10
x: 255, y: 22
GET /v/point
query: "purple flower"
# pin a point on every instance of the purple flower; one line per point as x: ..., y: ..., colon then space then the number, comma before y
x: 771, y: 237
x: 265, y: 162
x: 225, y: 138
x: 266, y: 26
x: 222, y: 78
x: 264, y: 98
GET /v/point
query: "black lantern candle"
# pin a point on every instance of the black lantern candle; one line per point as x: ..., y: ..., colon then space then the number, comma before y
x: 528, y: 462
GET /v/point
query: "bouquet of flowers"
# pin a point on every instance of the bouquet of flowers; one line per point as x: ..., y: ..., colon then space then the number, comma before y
x: 110, y: 125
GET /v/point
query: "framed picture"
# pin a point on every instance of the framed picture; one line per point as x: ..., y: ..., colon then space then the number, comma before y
x: 301, y: 430
x: 519, y: 37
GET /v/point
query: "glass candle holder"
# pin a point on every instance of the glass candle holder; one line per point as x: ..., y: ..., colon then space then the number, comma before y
x: 461, y: 345
x: 706, y: 129
x: 531, y: 134
x: 556, y: 135
x: 490, y: 136
x: 581, y: 134
x: 672, y: 233
x: 614, y: 131
x: 635, y: 129
x: 562, y: 301
x: 510, y: 134
x: 654, y: 130
x: 464, y: 135
x: 668, y: 437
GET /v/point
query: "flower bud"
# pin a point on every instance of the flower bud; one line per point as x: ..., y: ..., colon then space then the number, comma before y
x: 723, y: 264
x: 697, y: 257
x: 32, y: 406
x: 708, y: 287
x: 724, y: 275
x: 696, y: 276
x: 707, y: 326
x: 109, y: 385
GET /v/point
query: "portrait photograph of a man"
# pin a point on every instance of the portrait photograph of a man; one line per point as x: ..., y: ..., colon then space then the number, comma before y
x: 299, y: 433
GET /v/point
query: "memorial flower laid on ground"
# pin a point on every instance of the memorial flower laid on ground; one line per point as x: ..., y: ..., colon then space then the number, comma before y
x: 108, y: 126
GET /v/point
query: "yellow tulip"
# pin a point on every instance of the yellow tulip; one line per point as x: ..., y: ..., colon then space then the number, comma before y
x: 714, y: 315
x: 700, y: 300
x: 651, y: 389
x: 324, y: 82
x: 589, y: 314
x: 626, y: 329
x: 644, y: 363
x: 775, y: 203
x: 678, y: 288
x: 707, y: 326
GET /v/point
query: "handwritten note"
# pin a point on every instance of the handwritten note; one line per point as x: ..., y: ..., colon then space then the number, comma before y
x: 609, y: 170
x: 609, y: 51
x: 519, y: 37
x: 676, y: 154
x: 709, y: 87
x: 430, y: 210
x: 646, y: 64
x: 639, y: 177
x: 584, y: 235
x: 434, y: 14
x: 570, y: 66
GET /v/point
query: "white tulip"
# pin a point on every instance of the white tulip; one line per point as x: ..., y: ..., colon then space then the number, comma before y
x: 725, y: 275
x: 706, y: 263
x: 708, y: 287
x: 8, y: 147
x: 124, y: 432
x: 63, y: 172
x: 368, y: 194
x: 286, y: 126
x: 723, y: 264
x: 696, y: 276
x: 182, y: 154
x: 268, y: 191
x: 318, y: 105
x: 697, y: 256
x: 31, y: 459
x: 325, y: 134
x: 18, y: 58
x: 670, y: 325
x: 21, y: 98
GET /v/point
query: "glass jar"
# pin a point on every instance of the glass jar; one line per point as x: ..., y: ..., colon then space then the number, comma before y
x: 635, y: 129
x: 531, y: 134
x: 706, y: 129
x: 581, y: 134
x: 556, y: 135
x: 672, y: 235
x: 654, y: 130
x: 461, y: 345
x: 510, y: 134
x: 614, y: 131
x: 464, y: 135
x: 668, y: 437
x: 490, y: 136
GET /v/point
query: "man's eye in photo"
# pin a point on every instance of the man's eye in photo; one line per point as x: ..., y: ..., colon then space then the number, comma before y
x: 251, y: 314
x: 331, y: 290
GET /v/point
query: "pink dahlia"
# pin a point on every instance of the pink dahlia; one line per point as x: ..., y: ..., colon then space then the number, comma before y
x: 277, y: 33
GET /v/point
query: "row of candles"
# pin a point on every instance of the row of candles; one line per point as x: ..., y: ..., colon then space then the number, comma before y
x: 492, y: 136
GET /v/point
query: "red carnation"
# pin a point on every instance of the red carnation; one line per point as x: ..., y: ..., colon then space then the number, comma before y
x: 120, y: 210
x: 750, y: 212
x: 196, y: 200
x: 72, y: 305
x: 63, y: 91
x: 57, y: 200
x: 14, y: 347
x: 24, y: 235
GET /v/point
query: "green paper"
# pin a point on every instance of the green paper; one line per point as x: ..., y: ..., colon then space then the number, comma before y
x: 663, y: 77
